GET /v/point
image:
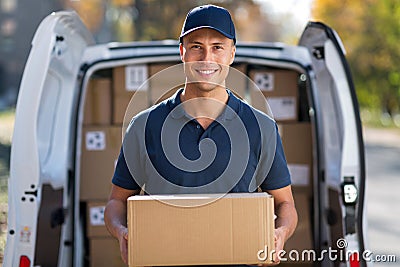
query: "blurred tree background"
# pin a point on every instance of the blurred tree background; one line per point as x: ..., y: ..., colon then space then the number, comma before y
x: 370, y: 30
x: 145, y: 20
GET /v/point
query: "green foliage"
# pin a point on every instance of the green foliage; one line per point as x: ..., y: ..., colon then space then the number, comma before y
x: 370, y: 30
x: 6, y: 127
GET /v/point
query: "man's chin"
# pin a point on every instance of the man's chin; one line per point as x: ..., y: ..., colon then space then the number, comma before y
x: 205, y: 86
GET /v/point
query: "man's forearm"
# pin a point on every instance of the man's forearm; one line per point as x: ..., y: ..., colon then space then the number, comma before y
x: 115, y: 216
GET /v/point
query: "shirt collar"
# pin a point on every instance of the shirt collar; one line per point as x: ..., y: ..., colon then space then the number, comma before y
x: 177, y: 110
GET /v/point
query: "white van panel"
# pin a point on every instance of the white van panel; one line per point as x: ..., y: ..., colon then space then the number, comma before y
x: 41, y: 151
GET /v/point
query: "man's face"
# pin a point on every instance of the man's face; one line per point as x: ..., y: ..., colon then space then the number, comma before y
x: 207, y: 55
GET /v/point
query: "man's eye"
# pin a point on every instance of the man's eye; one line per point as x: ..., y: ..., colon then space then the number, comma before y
x: 196, y: 47
x: 218, y: 47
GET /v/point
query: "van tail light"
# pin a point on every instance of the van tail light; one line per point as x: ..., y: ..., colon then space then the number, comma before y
x: 355, y: 260
x: 24, y: 261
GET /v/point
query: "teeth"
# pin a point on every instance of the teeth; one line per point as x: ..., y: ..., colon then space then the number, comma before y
x: 206, y: 71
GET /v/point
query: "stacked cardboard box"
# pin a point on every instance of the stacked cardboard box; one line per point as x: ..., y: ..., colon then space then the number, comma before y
x: 97, y: 110
x: 107, y: 99
x: 302, y: 237
x: 130, y: 92
x: 104, y: 251
x: 165, y: 80
x: 100, y: 149
x: 280, y: 89
x: 297, y: 144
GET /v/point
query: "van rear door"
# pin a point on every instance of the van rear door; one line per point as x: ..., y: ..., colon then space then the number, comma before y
x: 343, y: 171
x: 42, y: 145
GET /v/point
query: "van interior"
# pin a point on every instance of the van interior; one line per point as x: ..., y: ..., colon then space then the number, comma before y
x: 105, y: 96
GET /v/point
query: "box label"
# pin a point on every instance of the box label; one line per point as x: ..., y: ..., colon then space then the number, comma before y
x: 283, y: 108
x: 97, y: 215
x: 135, y: 77
x: 299, y: 173
x: 95, y: 140
x: 264, y: 80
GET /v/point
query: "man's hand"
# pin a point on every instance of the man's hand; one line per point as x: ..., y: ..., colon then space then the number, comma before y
x: 279, y: 244
x: 285, y: 222
x: 123, y: 243
x: 115, y: 217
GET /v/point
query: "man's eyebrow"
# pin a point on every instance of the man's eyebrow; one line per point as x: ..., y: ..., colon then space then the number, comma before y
x: 214, y: 43
x: 194, y: 42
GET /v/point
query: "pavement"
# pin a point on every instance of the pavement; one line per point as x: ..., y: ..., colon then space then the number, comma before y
x: 382, y: 193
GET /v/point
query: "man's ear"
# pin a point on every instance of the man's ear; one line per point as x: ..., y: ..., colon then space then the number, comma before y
x: 181, y: 51
x: 233, y: 52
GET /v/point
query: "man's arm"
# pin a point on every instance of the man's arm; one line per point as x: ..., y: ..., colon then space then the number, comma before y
x: 115, y: 217
x: 286, y: 220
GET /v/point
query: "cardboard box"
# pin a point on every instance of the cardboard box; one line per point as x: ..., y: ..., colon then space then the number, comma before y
x: 99, y: 152
x: 302, y: 237
x: 95, y: 226
x: 200, y: 229
x: 280, y: 89
x: 130, y: 78
x: 130, y: 87
x: 125, y: 108
x: 105, y: 252
x: 165, y: 80
x: 97, y: 110
x: 298, y: 147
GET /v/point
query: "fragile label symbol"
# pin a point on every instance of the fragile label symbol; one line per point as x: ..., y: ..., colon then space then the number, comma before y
x: 97, y: 215
x: 264, y: 81
x: 95, y: 140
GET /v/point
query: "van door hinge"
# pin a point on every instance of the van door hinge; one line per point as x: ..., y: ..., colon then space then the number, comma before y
x: 319, y: 52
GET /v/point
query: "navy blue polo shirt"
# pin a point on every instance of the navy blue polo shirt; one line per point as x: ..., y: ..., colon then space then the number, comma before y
x: 167, y: 151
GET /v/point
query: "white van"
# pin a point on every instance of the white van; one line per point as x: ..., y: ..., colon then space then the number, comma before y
x: 69, y: 124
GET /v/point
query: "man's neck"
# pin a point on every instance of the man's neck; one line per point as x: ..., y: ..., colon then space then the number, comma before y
x: 204, y: 106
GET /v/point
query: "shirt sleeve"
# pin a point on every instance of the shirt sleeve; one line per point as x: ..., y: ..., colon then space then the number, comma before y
x: 122, y: 176
x: 129, y: 171
x: 278, y: 176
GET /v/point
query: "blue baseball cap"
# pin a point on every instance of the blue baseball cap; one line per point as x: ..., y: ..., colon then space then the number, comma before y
x: 209, y: 16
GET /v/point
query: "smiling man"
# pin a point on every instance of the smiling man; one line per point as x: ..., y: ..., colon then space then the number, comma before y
x: 203, y: 139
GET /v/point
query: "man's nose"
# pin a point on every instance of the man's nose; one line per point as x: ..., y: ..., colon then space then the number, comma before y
x: 207, y: 55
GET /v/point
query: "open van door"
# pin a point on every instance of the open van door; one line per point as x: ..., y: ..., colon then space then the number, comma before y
x: 342, y: 173
x: 41, y: 162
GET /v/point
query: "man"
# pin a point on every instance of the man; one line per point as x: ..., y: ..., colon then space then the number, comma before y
x: 222, y: 144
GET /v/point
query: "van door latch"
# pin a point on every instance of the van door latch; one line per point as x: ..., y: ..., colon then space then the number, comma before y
x: 350, y: 196
x: 349, y: 191
x: 58, y: 217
